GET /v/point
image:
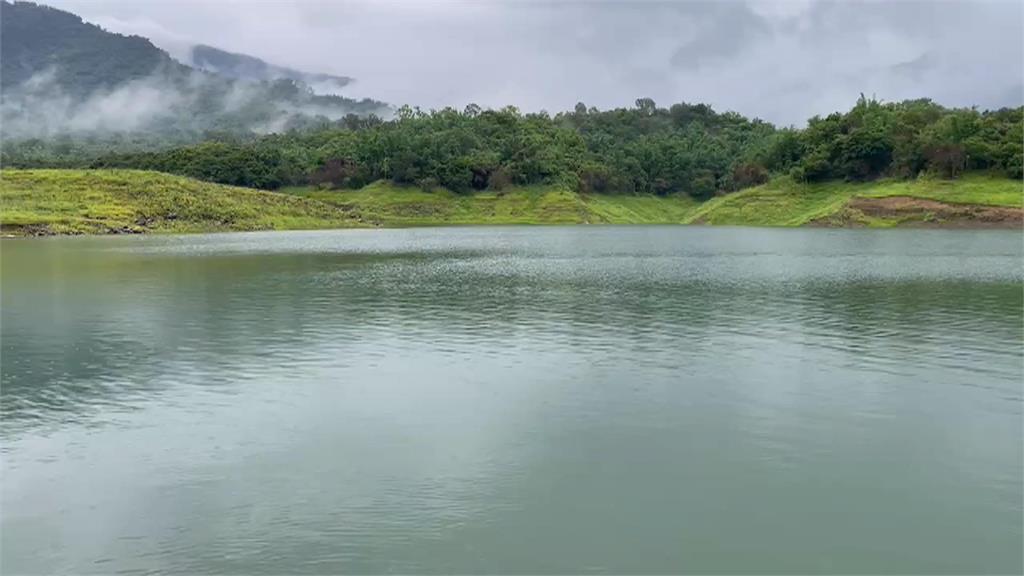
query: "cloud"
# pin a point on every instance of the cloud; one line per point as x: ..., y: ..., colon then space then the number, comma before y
x: 159, y: 102
x: 782, y: 61
x: 40, y: 107
x: 723, y: 33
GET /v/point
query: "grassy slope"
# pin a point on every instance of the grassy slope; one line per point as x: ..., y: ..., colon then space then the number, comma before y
x: 971, y: 189
x: 107, y: 201
x: 785, y: 203
x: 104, y: 201
x: 392, y: 205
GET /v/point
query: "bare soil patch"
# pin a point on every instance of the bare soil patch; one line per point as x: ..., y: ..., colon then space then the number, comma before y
x: 924, y: 213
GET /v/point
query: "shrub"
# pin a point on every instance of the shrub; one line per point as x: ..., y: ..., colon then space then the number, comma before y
x: 747, y: 175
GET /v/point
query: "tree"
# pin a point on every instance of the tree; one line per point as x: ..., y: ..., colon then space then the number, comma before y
x: 687, y: 148
x: 646, y: 106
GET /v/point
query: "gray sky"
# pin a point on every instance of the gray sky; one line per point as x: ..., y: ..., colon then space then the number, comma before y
x: 781, y: 61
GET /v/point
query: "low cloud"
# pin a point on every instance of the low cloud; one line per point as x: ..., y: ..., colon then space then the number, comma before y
x: 192, y: 103
x: 39, y: 107
x: 781, y: 61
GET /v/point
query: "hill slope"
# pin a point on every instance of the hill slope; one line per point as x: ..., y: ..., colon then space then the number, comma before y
x: 35, y: 39
x: 39, y: 202
x: 44, y: 202
x: 386, y: 204
x: 974, y: 200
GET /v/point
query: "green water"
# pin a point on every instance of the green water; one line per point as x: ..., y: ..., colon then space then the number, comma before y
x: 513, y: 400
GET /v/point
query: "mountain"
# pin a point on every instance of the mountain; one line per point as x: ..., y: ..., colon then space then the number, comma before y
x: 62, y: 75
x: 35, y: 39
x: 245, y: 67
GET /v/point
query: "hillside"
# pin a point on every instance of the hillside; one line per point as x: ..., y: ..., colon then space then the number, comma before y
x: 389, y: 205
x: 45, y: 202
x: 63, y: 76
x: 35, y: 39
x: 684, y: 148
x: 973, y: 200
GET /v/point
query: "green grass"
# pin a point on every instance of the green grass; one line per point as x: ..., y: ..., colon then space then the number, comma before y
x: 778, y: 203
x: 641, y: 209
x: 116, y: 201
x: 783, y: 202
x: 129, y: 201
x: 392, y: 205
x: 981, y: 189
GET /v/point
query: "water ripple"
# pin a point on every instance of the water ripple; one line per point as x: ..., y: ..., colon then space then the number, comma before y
x: 513, y: 399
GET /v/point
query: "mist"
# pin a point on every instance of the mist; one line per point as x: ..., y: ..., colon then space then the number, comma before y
x: 164, y: 102
x: 781, y: 61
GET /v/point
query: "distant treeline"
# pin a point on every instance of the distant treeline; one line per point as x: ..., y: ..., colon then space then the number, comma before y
x: 645, y: 149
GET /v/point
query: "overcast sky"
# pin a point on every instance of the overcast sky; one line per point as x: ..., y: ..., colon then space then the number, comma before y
x: 781, y: 61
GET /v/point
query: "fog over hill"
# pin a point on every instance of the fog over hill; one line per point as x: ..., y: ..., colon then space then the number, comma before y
x: 783, y: 61
x: 245, y: 67
x: 63, y: 75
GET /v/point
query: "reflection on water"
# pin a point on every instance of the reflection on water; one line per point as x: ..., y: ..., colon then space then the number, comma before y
x: 514, y: 400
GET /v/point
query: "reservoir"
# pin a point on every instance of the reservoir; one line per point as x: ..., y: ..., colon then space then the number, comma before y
x: 513, y: 400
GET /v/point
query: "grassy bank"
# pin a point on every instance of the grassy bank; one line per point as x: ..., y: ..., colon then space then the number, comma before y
x: 969, y: 200
x: 42, y: 202
x: 973, y: 200
x: 126, y: 201
x: 390, y: 205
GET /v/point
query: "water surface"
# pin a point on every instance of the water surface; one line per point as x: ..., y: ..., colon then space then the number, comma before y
x: 513, y: 400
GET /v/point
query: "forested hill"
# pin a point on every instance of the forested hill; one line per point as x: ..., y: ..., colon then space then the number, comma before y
x: 83, y: 97
x: 646, y: 149
x: 85, y: 58
x: 62, y: 75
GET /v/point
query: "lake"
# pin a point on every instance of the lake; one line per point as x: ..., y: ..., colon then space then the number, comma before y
x: 514, y: 400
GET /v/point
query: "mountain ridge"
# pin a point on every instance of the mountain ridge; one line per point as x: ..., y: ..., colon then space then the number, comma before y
x: 68, y: 41
x: 247, y: 67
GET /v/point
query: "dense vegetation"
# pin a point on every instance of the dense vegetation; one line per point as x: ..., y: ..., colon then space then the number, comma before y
x: 685, y: 148
x: 901, y: 140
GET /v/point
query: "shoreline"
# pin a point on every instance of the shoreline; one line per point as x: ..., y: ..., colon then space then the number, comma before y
x: 964, y: 226
x: 43, y: 203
